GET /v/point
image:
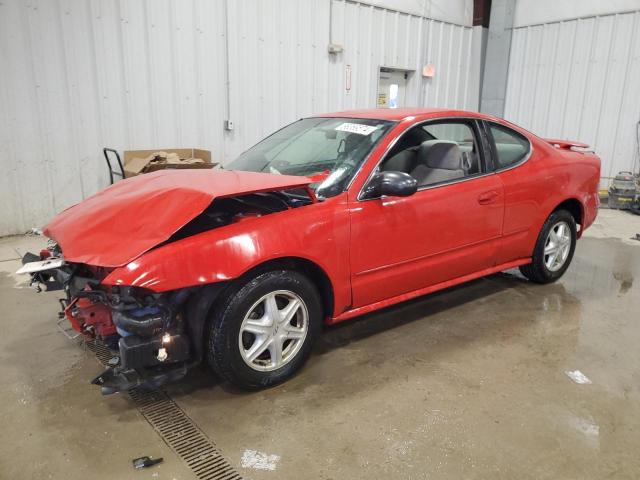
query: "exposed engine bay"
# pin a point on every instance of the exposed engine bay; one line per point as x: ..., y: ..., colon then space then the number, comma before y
x: 224, y: 211
x: 154, y: 337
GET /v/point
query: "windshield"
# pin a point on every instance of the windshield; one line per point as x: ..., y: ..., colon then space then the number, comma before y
x: 330, y: 150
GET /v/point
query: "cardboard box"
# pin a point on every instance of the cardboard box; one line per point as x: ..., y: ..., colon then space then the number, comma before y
x: 137, y: 162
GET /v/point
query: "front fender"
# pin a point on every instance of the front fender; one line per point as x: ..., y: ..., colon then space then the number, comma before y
x: 318, y: 233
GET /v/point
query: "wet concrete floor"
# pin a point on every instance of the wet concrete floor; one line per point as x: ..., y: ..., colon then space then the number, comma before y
x: 466, y: 383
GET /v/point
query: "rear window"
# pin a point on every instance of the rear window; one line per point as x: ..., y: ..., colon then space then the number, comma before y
x: 510, y: 146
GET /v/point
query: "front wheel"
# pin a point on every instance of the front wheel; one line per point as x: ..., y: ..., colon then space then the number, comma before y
x: 262, y: 332
x: 554, y: 249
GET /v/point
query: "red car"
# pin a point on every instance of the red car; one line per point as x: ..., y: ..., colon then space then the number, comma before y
x: 330, y: 217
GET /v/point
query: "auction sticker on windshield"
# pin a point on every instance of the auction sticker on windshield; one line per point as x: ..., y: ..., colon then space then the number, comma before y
x: 356, y: 128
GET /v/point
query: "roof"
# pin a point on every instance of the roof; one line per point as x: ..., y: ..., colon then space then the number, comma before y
x: 397, y: 114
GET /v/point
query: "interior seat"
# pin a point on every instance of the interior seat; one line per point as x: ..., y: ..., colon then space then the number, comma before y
x: 438, y: 161
x: 404, y: 161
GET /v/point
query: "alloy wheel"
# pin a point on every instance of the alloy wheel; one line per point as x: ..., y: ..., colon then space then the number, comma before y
x: 557, y: 246
x: 273, y: 330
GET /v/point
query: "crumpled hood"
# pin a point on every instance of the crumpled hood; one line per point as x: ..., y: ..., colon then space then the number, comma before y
x: 123, y: 221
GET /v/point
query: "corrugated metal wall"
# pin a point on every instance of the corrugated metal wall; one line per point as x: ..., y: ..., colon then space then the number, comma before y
x: 580, y: 80
x: 375, y: 37
x: 78, y: 75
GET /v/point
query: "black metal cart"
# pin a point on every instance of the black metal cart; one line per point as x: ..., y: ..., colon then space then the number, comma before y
x: 117, y: 169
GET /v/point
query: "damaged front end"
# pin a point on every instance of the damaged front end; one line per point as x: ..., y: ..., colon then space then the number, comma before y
x: 155, y: 332
x: 144, y: 330
x: 152, y: 345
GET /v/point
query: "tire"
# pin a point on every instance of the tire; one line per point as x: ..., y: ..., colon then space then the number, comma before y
x: 250, y: 308
x: 543, y: 269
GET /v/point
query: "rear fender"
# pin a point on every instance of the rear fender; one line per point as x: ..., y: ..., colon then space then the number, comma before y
x: 576, y: 177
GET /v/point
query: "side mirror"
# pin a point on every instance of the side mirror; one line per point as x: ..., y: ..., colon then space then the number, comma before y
x: 391, y: 184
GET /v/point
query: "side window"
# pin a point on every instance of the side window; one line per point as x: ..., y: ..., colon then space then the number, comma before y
x: 456, y: 132
x: 436, y: 152
x: 510, y: 146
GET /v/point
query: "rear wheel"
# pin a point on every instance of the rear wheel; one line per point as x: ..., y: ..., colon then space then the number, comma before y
x: 554, y: 249
x: 263, y: 331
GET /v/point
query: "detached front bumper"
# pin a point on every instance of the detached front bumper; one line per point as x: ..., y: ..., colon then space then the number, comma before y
x: 147, y: 362
x: 118, y: 379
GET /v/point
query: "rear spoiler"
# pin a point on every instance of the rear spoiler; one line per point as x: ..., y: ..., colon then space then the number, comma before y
x: 565, y: 144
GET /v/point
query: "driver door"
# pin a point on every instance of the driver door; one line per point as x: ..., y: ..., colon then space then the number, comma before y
x: 447, y: 229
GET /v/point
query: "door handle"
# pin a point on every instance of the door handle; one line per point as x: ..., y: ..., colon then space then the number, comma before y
x: 487, y: 197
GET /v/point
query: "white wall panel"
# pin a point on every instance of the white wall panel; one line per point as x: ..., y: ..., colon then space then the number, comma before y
x: 78, y: 75
x: 536, y: 12
x: 578, y: 80
x: 386, y: 38
x: 453, y: 11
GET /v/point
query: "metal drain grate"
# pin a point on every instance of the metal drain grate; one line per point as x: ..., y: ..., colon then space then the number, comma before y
x: 183, y: 436
x: 103, y: 354
x: 176, y: 429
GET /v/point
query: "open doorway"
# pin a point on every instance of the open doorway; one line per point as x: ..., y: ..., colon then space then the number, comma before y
x: 392, y: 87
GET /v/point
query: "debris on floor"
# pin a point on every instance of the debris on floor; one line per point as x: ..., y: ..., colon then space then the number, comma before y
x: 259, y: 461
x: 144, y: 462
x: 578, y: 377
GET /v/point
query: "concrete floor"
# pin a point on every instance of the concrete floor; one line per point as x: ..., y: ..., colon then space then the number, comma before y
x: 466, y: 383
